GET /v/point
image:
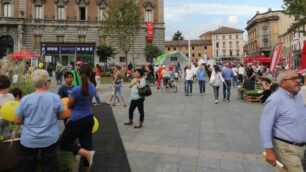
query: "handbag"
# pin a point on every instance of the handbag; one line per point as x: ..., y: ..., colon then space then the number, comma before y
x: 145, y: 91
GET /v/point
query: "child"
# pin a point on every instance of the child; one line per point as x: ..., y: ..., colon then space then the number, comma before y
x: 5, y: 96
x: 65, y: 90
x: 17, y: 93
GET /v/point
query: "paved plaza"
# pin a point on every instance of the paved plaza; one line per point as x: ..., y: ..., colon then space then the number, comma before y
x: 192, y: 134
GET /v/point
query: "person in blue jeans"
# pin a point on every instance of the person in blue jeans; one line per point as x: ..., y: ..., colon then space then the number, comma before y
x: 201, y: 75
x: 227, y: 74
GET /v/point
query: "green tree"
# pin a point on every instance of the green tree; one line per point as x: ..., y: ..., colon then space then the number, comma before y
x: 297, y: 9
x: 122, y: 23
x: 105, y: 52
x: 178, y: 36
x: 151, y: 52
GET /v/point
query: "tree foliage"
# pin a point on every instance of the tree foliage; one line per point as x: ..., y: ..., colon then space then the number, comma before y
x: 178, y: 36
x: 105, y: 52
x: 297, y: 9
x: 152, y: 51
x: 122, y: 23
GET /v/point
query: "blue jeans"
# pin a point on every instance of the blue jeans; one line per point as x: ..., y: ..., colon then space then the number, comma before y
x: 227, y: 89
x: 202, y: 86
x: 117, y: 91
x: 189, y: 86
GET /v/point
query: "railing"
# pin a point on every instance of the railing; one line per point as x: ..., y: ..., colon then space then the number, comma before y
x: 11, y: 20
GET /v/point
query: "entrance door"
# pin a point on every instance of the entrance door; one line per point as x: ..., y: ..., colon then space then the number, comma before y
x: 6, y: 45
x: 65, y: 60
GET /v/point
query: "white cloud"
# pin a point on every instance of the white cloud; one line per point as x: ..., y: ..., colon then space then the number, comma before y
x: 182, y: 10
x: 233, y: 19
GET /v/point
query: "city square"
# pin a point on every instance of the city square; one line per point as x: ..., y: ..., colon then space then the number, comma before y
x: 152, y: 86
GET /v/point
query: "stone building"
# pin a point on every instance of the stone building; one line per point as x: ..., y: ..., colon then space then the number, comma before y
x: 227, y: 43
x: 264, y: 30
x: 69, y: 29
x: 198, y: 48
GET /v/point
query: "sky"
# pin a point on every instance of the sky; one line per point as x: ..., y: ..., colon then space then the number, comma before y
x: 195, y: 17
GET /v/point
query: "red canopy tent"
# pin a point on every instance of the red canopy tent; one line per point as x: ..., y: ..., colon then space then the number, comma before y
x: 23, y: 54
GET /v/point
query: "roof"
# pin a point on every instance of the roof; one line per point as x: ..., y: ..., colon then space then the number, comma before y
x: 226, y: 30
x: 197, y: 42
x: 206, y: 33
x: 223, y: 30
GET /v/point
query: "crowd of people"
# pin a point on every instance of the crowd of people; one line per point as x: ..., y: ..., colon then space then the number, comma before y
x: 39, y: 112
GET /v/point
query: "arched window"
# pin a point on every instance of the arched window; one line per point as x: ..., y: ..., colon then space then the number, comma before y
x: 38, y: 12
x: 7, y: 10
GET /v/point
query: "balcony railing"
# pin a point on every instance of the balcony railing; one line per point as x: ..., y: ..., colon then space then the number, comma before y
x: 11, y: 20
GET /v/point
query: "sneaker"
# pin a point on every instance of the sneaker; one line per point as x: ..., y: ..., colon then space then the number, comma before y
x: 216, y: 102
x: 90, y: 160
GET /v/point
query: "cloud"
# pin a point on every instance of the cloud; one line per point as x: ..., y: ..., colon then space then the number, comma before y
x: 180, y: 11
x: 233, y: 19
x: 195, y: 31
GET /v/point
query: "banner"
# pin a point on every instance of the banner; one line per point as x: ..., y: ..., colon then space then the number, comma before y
x: 303, y: 56
x: 150, y: 32
x: 289, y: 61
x: 276, y: 55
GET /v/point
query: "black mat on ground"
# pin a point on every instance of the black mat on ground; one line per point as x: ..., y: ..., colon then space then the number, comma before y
x: 110, y: 153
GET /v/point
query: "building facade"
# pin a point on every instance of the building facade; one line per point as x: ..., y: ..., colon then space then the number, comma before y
x: 70, y: 29
x: 198, y: 48
x: 264, y: 30
x: 227, y: 43
x: 293, y: 42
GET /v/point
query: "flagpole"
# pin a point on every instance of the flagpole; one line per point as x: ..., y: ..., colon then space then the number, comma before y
x: 189, y: 42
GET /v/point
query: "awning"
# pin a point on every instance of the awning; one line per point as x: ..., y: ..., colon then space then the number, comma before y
x: 258, y: 59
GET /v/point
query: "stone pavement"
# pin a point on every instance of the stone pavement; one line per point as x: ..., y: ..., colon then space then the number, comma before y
x: 192, y: 134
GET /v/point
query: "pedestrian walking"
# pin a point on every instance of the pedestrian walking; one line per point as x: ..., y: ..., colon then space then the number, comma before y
x: 81, y: 119
x: 227, y: 75
x: 117, y: 84
x: 201, y: 75
x: 216, y: 81
x: 241, y: 72
x: 282, y: 124
x: 39, y: 113
x: 235, y: 76
x: 58, y: 73
x: 137, y: 101
x: 188, y: 80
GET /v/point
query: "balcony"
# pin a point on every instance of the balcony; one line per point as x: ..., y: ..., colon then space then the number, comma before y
x: 11, y: 20
x: 60, y: 22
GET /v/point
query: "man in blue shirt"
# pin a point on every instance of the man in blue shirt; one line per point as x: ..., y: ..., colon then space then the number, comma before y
x: 227, y: 74
x: 282, y: 124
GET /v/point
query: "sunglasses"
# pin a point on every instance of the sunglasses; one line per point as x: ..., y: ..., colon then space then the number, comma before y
x: 294, y: 78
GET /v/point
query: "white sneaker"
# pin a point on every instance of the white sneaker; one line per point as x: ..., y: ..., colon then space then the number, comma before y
x: 216, y: 102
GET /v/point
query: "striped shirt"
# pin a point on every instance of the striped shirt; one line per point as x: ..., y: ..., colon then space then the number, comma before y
x: 283, y: 116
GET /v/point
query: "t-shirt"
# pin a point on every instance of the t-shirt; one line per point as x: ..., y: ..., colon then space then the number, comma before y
x: 201, y: 75
x: 76, y: 78
x: 83, y: 106
x: 40, y: 125
x: 134, y: 91
x: 188, y: 74
x: 5, y: 98
x: 64, y: 91
x: 164, y: 73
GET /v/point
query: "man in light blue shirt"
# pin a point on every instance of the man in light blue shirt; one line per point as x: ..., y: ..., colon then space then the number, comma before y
x: 283, y: 124
x: 227, y: 74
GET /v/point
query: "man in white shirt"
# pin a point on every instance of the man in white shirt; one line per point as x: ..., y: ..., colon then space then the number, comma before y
x: 235, y: 75
x: 188, y: 80
x: 241, y: 71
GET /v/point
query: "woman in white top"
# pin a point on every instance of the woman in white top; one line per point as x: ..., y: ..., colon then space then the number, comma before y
x: 216, y: 81
x: 189, y: 80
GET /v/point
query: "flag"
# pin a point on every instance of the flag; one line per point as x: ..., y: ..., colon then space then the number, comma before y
x: 303, y: 57
x: 276, y: 55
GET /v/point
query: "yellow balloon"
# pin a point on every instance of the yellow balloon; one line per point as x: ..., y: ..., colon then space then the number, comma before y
x: 96, y: 125
x: 8, y: 110
x: 31, y: 69
x: 40, y: 65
